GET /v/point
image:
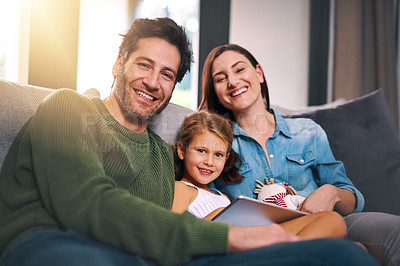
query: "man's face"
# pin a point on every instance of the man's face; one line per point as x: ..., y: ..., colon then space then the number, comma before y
x: 145, y: 81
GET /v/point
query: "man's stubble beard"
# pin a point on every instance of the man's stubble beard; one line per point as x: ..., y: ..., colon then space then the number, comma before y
x: 121, y: 87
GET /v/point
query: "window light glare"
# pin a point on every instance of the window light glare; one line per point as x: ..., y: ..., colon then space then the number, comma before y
x: 192, y: 25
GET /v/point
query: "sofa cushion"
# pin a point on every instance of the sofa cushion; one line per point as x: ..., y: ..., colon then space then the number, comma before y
x: 362, y: 135
x: 168, y: 122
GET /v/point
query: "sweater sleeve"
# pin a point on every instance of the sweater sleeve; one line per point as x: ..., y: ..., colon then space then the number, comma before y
x: 79, y: 195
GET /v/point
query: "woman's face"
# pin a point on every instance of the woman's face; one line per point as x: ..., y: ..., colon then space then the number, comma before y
x: 237, y: 82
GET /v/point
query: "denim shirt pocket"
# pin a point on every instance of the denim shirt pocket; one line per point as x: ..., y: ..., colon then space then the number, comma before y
x: 301, y: 159
x: 244, y: 168
x: 299, y: 167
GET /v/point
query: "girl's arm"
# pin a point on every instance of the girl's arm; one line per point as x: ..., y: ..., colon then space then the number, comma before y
x: 317, y: 225
x: 213, y: 213
x: 183, y: 196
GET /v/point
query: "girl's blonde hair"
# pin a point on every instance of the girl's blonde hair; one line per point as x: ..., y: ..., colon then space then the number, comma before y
x: 202, y: 121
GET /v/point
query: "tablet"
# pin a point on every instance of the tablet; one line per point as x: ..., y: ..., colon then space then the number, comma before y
x: 245, y: 211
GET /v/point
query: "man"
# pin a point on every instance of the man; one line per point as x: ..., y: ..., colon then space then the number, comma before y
x: 86, y: 183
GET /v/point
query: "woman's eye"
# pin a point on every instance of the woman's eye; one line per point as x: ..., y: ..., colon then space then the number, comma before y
x: 219, y: 79
x: 239, y: 70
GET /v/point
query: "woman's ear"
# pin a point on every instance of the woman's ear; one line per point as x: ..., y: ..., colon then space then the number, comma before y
x: 180, y: 150
x: 260, y: 73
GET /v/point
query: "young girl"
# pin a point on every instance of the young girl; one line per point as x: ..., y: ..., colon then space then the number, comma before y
x: 203, y: 154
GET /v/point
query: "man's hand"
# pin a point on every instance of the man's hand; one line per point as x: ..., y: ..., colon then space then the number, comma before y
x: 242, y: 238
x: 329, y: 198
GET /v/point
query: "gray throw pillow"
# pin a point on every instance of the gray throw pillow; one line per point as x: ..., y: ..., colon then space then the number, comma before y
x: 362, y: 135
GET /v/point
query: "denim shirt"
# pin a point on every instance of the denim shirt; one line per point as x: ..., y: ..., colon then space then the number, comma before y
x: 300, y: 155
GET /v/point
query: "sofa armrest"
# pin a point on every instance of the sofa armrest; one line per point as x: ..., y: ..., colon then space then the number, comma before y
x: 18, y: 102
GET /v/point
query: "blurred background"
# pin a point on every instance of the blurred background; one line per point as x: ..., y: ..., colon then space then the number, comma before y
x: 312, y: 51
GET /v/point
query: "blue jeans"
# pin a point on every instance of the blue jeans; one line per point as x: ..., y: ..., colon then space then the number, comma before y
x: 43, y: 247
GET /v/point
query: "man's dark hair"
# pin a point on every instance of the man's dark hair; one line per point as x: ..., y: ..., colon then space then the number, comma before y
x: 164, y: 28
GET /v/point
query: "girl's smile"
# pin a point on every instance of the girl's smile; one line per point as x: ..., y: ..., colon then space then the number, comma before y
x: 204, y: 158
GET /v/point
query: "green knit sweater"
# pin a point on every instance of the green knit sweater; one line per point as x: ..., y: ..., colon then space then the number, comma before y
x: 73, y: 166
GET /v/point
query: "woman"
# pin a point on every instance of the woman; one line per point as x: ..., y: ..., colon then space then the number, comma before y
x: 295, y: 151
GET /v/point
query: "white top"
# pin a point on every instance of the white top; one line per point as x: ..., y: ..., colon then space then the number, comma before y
x: 206, y: 202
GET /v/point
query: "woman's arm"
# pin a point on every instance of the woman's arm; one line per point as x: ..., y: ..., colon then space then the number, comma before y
x: 335, y: 191
x: 329, y: 198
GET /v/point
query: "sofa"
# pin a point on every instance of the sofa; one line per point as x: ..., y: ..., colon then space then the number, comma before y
x: 361, y: 133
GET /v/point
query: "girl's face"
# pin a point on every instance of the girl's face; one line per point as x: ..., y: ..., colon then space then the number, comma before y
x: 203, y: 159
x: 236, y: 81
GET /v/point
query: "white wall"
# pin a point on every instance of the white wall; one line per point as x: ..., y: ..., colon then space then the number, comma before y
x: 276, y: 32
x: 101, y: 22
x: 14, y: 39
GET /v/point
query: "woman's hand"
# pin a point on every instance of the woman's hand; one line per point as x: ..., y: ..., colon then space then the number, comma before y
x: 329, y: 198
x: 242, y: 238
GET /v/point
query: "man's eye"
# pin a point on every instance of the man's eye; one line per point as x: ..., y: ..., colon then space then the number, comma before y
x: 168, y: 76
x: 144, y: 65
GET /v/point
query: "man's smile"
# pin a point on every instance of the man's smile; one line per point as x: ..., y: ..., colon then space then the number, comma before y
x: 145, y: 95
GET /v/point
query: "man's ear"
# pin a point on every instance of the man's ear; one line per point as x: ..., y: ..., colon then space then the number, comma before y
x: 117, y: 66
x: 260, y: 73
x: 180, y: 150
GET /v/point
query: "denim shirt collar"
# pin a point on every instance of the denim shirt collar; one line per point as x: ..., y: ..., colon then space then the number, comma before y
x: 281, y: 126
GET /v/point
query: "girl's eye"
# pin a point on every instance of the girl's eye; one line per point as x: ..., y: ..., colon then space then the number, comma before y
x: 219, y: 155
x: 201, y: 150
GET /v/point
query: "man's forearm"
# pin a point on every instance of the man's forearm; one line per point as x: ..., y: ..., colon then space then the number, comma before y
x: 244, y: 238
